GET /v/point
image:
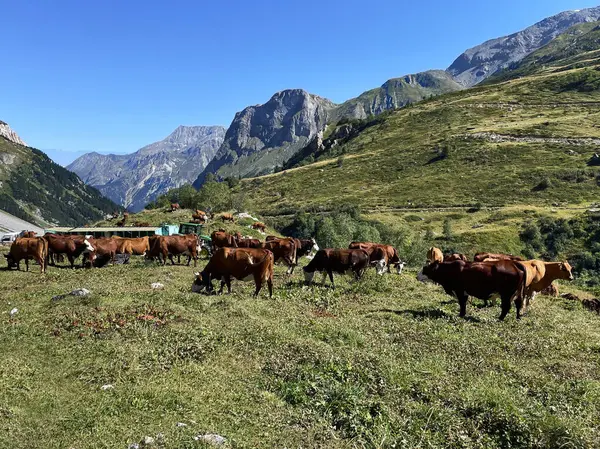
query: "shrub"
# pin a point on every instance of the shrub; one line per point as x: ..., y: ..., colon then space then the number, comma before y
x: 447, y: 229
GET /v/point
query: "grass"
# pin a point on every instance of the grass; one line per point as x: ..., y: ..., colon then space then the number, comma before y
x: 380, y: 363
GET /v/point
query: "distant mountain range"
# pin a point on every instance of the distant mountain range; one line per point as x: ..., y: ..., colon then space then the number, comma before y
x: 133, y: 180
x: 264, y: 137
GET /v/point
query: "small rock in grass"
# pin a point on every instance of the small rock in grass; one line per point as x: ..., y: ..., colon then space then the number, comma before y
x: 181, y: 424
x: 133, y: 446
x: 211, y: 438
x: 107, y: 387
x: 157, y: 286
x: 80, y: 292
x: 13, y: 312
x: 147, y: 442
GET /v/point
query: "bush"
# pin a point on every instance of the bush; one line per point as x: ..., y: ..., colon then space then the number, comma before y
x: 447, y: 230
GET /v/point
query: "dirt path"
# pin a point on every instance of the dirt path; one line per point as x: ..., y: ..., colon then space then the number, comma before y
x: 499, y: 138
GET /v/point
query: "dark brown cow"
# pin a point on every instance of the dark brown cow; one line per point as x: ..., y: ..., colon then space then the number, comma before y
x: 227, y: 217
x: 482, y: 280
x: 483, y: 257
x: 28, y: 234
x: 341, y: 261
x: 174, y: 245
x: 244, y: 264
x: 259, y: 226
x: 248, y: 243
x: 28, y: 248
x: 380, y: 255
x: 455, y: 256
x: 72, y: 246
x: 304, y: 247
x: 284, y: 250
x: 104, y: 248
x: 221, y: 239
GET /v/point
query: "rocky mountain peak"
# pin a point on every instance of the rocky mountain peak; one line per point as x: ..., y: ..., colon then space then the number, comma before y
x: 9, y: 134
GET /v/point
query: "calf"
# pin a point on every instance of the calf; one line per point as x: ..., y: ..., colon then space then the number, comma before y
x: 482, y: 280
x: 244, y: 264
x: 28, y: 248
x: 341, y: 261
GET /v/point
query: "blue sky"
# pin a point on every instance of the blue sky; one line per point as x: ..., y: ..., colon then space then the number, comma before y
x: 113, y: 76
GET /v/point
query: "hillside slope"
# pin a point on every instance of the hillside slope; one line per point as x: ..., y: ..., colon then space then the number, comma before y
x: 482, y: 61
x: 524, y: 141
x: 34, y: 188
x: 134, y: 180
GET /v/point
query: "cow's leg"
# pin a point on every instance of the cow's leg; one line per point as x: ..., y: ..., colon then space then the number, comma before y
x: 505, y: 306
x: 220, y: 292
x: 71, y: 260
x: 330, y: 273
x: 462, y: 303
x: 270, y: 285
x: 258, y: 281
x: 228, y: 283
x: 324, y: 277
x: 519, y: 304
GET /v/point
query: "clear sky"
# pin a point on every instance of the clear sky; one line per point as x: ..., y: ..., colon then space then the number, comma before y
x: 115, y: 75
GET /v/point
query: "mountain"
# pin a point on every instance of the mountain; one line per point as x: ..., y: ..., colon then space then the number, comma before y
x: 482, y: 61
x: 133, y: 180
x: 398, y: 92
x: 36, y: 189
x: 265, y: 136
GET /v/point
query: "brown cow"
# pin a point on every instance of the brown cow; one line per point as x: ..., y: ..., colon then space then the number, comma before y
x: 455, y: 256
x: 174, y: 245
x: 104, y: 248
x: 227, y: 217
x: 221, y: 239
x: 551, y: 290
x: 72, y: 246
x: 284, y: 250
x: 484, y: 257
x: 28, y: 234
x: 259, y: 226
x: 540, y: 275
x: 243, y: 264
x: 380, y: 255
x: 28, y: 248
x: 341, y: 261
x: 133, y: 246
x: 174, y: 207
x: 248, y: 243
x: 482, y: 280
x: 435, y: 255
x: 304, y: 247
x: 199, y: 218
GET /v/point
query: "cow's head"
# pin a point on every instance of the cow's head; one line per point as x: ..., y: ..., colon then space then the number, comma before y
x: 380, y: 267
x: 428, y: 272
x: 565, y: 271
x: 400, y: 267
x: 10, y: 260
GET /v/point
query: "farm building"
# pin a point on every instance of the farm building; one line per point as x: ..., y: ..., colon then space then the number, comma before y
x: 128, y: 232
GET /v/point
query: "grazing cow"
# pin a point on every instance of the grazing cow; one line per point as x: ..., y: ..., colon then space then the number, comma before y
x: 227, y: 217
x: 259, y: 226
x: 455, y: 256
x: 248, y: 243
x: 341, y: 261
x: 105, y: 248
x: 284, y: 250
x: 201, y: 212
x: 174, y: 207
x: 380, y: 255
x: 72, y: 246
x: 221, y: 239
x: 482, y: 280
x: 244, y: 264
x: 540, y: 275
x: 485, y: 257
x: 435, y: 255
x: 174, y: 245
x: 28, y: 248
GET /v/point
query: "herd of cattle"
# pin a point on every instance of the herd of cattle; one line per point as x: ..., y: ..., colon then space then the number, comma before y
x: 201, y: 217
x: 233, y: 256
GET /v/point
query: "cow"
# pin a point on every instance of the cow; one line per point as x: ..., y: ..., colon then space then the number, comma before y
x: 304, y: 247
x: 284, y: 250
x: 201, y: 212
x: 484, y: 257
x: 174, y: 245
x: 227, y: 217
x: 341, y: 261
x: 121, y: 223
x: 380, y: 255
x: 244, y: 264
x: 261, y: 227
x: 133, y: 246
x: 482, y: 280
x: 540, y: 275
x: 72, y: 246
x: 105, y: 248
x: 199, y: 218
x: 455, y: 256
x: 28, y: 248
x: 174, y: 207
x: 248, y: 243
x: 435, y: 255
x: 221, y: 239
x: 551, y: 290
x: 28, y: 234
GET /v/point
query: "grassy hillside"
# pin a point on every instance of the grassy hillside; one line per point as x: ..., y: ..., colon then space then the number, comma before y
x: 384, y: 362
x: 40, y: 191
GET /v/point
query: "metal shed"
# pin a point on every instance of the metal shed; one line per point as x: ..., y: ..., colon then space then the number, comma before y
x: 130, y: 232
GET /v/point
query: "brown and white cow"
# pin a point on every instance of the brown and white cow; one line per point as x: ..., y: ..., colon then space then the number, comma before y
x: 283, y: 250
x: 341, y: 261
x: 483, y: 257
x: 304, y: 247
x: 482, y: 280
x: 174, y: 207
x: 227, y: 217
x: 244, y: 264
x: 381, y: 256
x: 105, y: 248
x: 222, y: 239
x: 72, y: 246
x: 435, y: 255
x: 28, y: 248
x: 260, y: 226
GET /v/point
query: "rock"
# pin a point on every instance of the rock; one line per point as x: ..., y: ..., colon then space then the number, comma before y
x: 157, y: 286
x: 13, y: 312
x: 211, y: 438
x: 9, y: 134
x: 80, y: 292
x: 181, y: 424
x: 147, y: 442
x: 133, y: 446
x: 107, y: 387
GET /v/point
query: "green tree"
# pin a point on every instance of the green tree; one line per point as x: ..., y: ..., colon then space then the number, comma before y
x: 214, y: 196
x: 448, y: 234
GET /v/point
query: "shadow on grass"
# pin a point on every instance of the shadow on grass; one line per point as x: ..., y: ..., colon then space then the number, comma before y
x: 424, y: 314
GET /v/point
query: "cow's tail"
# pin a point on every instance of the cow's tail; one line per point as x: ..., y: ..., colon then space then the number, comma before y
x: 522, y: 287
x: 45, y: 254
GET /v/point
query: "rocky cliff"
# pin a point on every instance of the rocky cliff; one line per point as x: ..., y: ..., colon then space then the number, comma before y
x: 133, y: 180
x: 263, y: 137
x: 9, y: 134
x: 482, y: 61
